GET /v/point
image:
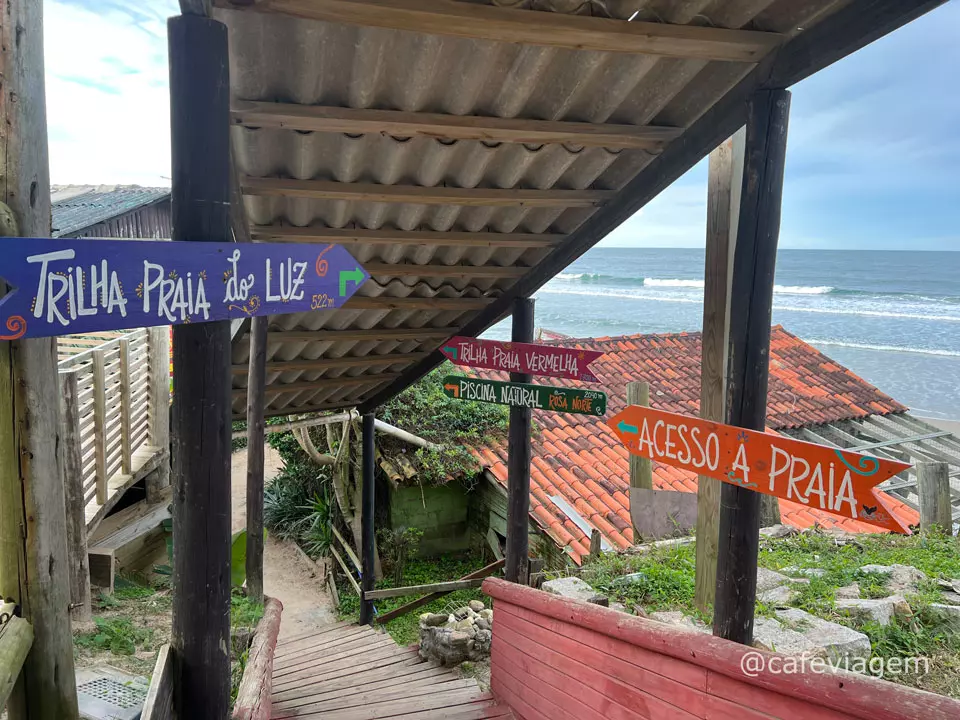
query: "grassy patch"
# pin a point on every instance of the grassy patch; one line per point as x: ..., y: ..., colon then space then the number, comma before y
x: 116, y: 635
x: 244, y: 612
x: 405, y: 629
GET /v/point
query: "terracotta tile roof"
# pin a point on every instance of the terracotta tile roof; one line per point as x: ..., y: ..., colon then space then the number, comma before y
x: 578, y: 457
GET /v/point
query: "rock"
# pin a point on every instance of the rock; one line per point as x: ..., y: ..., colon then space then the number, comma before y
x: 630, y: 579
x: 902, y: 577
x: 601, y: 600
x: 947, y: 616
x: 619, y: 607
x: 805, y: 572
x: 776, y: 532
x: 433, y: 619
x: 461, y: 613
x: 476, y: 605
x: 464, y: 625
x: 574, y: 588
x: 768, y: 579
x: 482, y: 624
x: 951, y: 598
x: 880, y: 611
x: 848, y: 592
x: 780, y: 596
x: 679, y: 620
x: 487, y: 615
x: 482, y: 642
x: 829, y: 639
x: 770, y: 634
x: 459, y: 639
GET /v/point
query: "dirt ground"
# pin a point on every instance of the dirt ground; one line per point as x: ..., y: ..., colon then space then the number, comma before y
x: 286, y: 575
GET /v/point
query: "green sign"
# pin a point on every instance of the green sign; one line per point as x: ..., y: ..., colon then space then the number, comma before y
x: 535, y: 397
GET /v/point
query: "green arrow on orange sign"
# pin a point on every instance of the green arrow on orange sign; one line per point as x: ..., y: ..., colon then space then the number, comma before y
x: 830, y: 479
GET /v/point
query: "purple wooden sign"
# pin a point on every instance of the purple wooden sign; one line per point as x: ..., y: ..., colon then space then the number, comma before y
x: 75, y: 285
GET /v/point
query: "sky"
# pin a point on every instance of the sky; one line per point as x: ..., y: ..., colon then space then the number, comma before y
x: 873, y: 154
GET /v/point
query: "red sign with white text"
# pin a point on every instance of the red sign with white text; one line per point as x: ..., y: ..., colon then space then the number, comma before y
x: 829, y: 479
x: 543, y: 360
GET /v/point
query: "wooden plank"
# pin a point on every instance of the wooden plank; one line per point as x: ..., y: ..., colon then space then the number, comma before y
x: 381, y: 677
x: 723, y: 211
x: 253, y: 695
x: 627, y: 676
x: 438, y: 304
x: 369, y: 560
x: 320, y: 639
x: 427, y: 238
x: 751, y: 298
x: 159, y: 702
x: 158, y: 405
x: 77, y: 562
x: 401, y: 333
x: 316, y: 118
x: 346, y: 547
x: 102, y: 567
x: 377, y: 696
x: 317, y: 657
x: 423, y: 675
x: 16, y: 638
x: 276, y: 389
x: 256, y: 384
x: 444, y: 271
x: 516, y: 568
x: 409, y: 607
x: 550, y: 29
x: 316, y: 663
x: 423, y: 589
x: 200, y: 196
x: 353, y: 671
x: 279, y: 366
x: 420, y: 195
x: 436, y: 701
x: 100, y: 424
x: 641, y: 469
x: 933, y: 487
x: 346, y: 570
x: 125, y: 407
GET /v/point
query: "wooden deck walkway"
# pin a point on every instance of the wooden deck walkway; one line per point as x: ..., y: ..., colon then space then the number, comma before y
x: 351, y: 672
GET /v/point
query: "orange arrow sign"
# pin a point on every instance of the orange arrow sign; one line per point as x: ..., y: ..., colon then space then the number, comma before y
x: 829, y: 479
x: 454, y: 388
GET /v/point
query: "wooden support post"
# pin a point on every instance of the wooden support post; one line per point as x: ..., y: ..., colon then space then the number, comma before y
x: 641, y: 469
x: 199, y: 122
x: 16, y: 637
x: 368, y: 506
x: 751, y: 303
x: 256, y: 384
x: 933, y: 486
x: 159, y: 407
x: 100, y: 425
x: 595, y: 545
x: 126, y: 456
x: 78, y: 567
x: 518, y: 461
x: 33, y: 532
x: 723, y: 210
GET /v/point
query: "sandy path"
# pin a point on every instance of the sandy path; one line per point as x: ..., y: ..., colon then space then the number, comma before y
x: 306, y: 602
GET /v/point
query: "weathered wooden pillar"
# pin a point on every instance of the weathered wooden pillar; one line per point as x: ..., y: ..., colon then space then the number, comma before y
x: 199, y: 125
x: 78, y: 563
x: 33, y: 532
x: 256, y: 386
x: 158, y: 423
x: 933, y: 487
x: 368, y: 507
x: 723, y: 210
x: 518, y: 460
x: 748, y: 371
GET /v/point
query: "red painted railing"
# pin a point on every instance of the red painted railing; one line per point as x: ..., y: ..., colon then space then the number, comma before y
x: 558, y: 659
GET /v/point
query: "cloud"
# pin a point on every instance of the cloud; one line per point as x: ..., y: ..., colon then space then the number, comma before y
x: 108, y: 107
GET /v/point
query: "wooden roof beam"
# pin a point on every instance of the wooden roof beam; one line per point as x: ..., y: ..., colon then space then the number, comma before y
x: 362, y: 236
x: 353, y: 381
x: 460, y: 304
x: 527, y: 27
x: 314, y: 118
x: 377, y: 334
x: 444, y: 271
x: 340, y: 363
x: 419, y: 195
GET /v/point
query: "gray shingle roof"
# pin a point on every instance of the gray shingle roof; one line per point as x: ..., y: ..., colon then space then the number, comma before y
x: 76, y: 207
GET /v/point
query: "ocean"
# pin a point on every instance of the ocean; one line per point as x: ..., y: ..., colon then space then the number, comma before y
x: 891, y: 317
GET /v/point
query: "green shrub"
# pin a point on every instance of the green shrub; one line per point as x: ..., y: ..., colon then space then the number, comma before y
x: 118, y: 635
x: 289, y: 498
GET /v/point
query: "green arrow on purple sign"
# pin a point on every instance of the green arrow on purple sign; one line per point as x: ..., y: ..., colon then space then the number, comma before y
x: 76, y: 285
